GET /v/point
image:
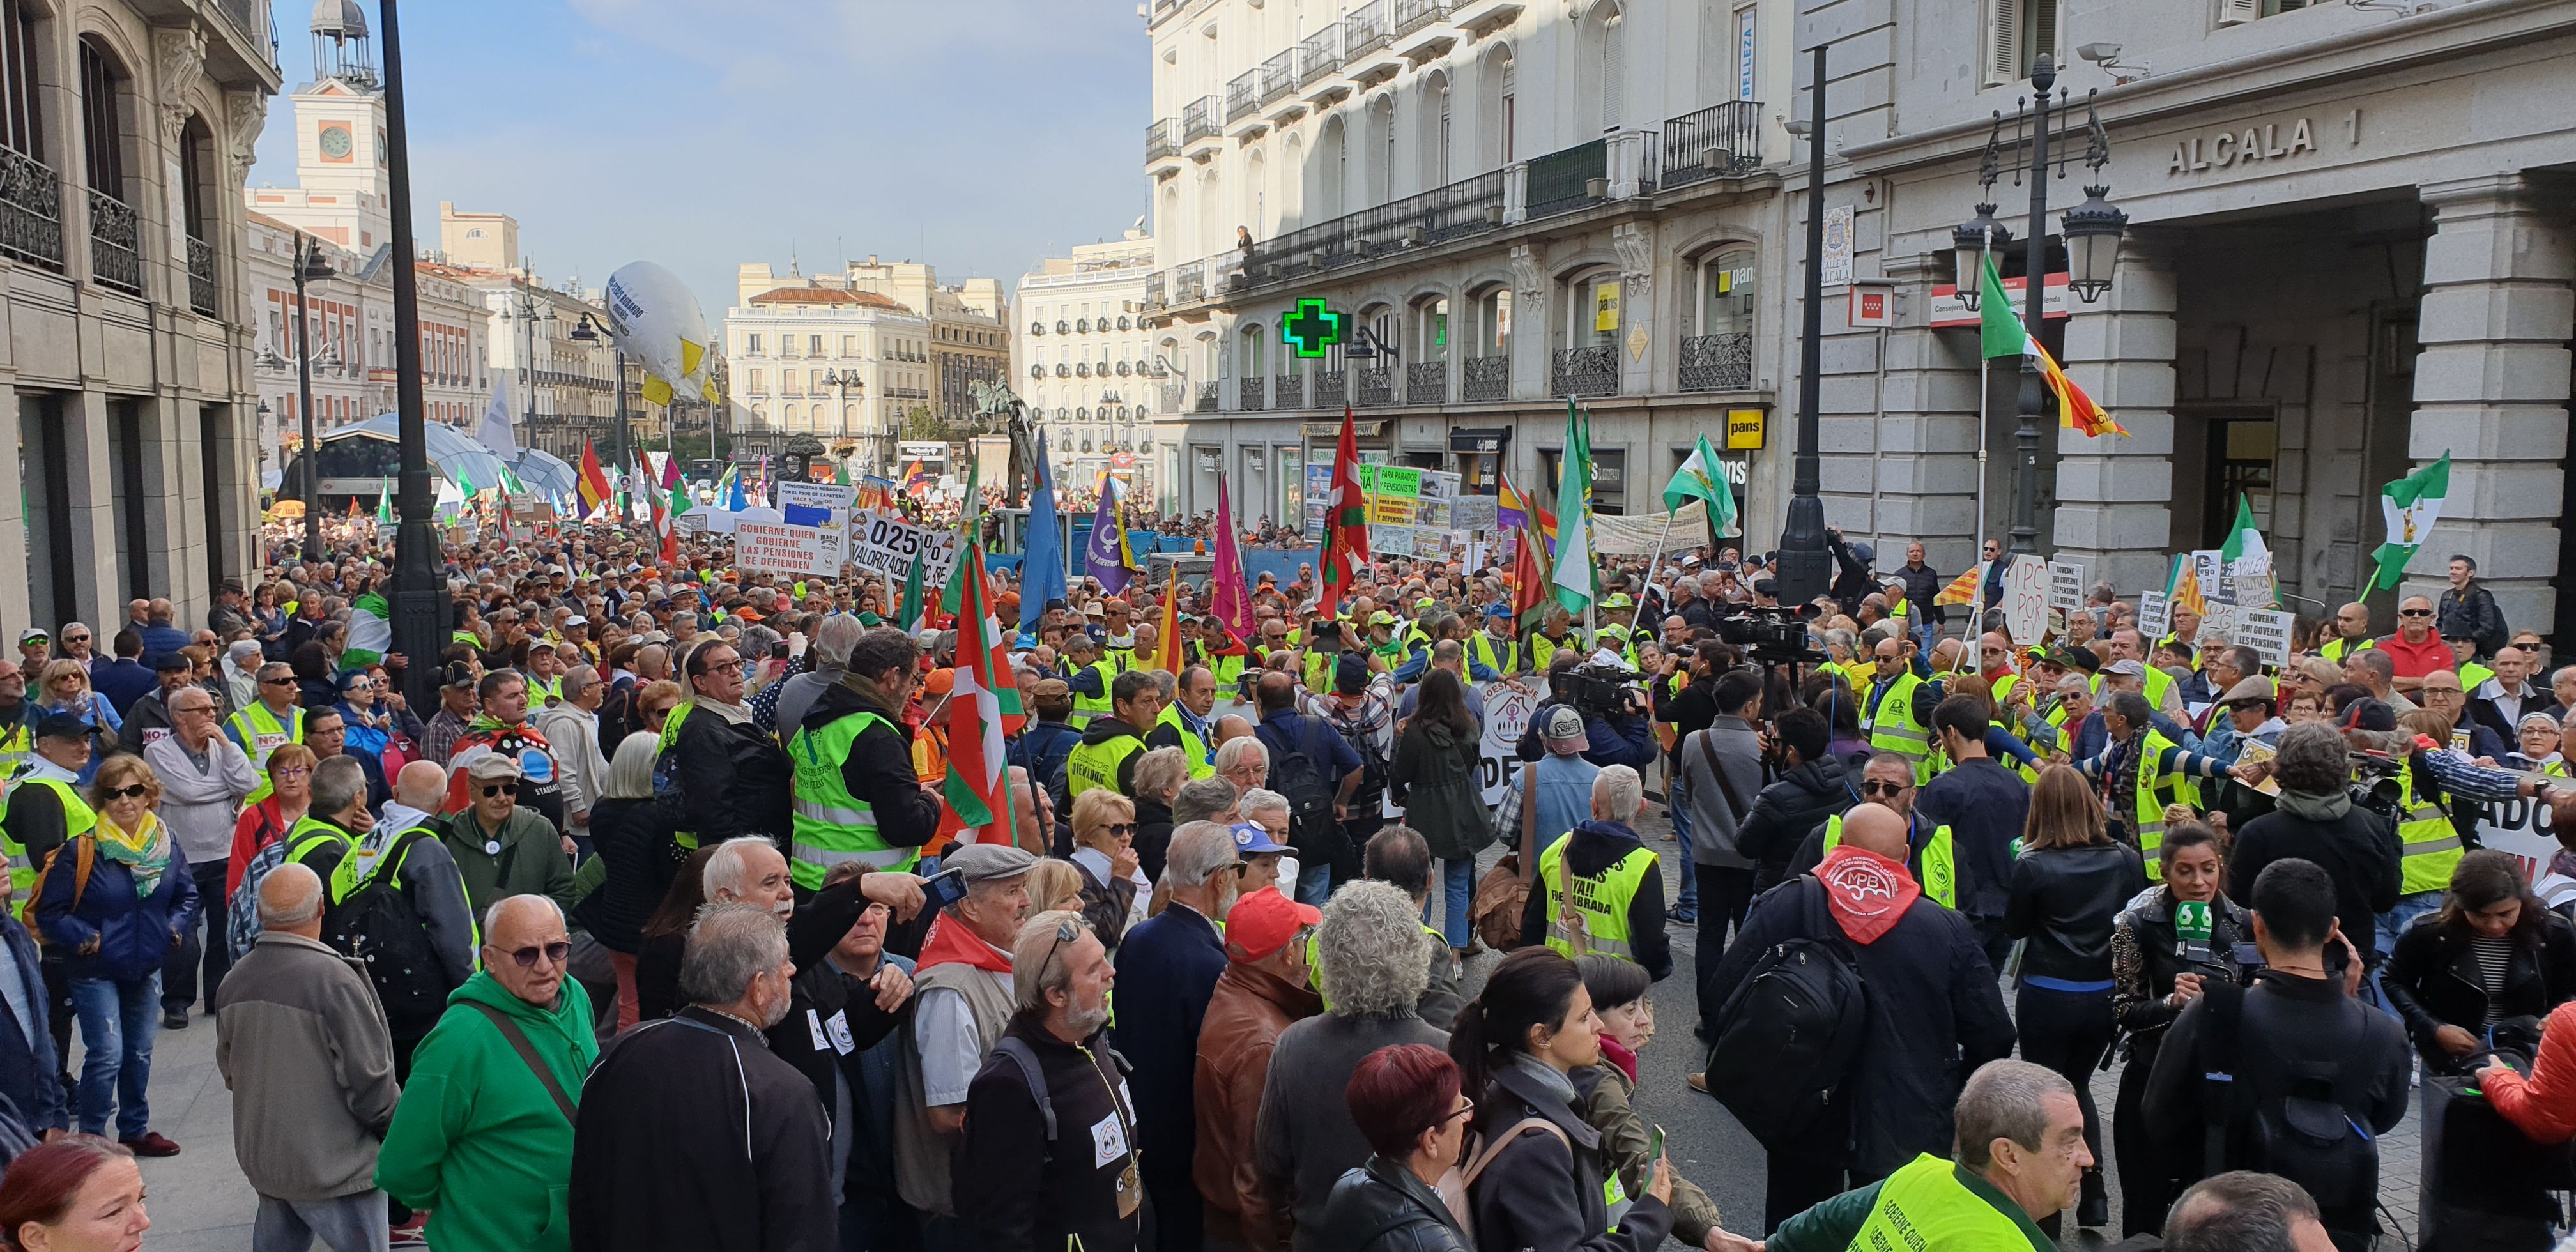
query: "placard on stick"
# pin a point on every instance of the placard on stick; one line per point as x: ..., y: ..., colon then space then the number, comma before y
x: 2154, y: 619
x: 2065, y: 585
x: 2267, y: 632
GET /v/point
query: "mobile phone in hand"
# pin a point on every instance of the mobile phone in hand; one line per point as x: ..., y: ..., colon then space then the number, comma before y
x: 944, y: 888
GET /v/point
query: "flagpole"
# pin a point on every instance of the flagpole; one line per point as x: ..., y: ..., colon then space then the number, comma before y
x: 1977, y: 535
x: 1656, y: 560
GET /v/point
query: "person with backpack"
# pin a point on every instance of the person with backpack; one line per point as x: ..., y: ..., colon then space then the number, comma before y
x: 1898, y: 987
x: 1435, y: 771
x: 1362, y: 710
x: 1312, y: 765
x: 2293, y: 1076
x: 114, y: 901
x: 397, y: 904
x: 1599, y: 888
x: 1536, y: 1173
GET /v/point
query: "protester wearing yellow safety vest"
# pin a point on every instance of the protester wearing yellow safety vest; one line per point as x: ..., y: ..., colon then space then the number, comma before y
x: 856, y: 793
x: 1496, y: 648
x: 17, y: 718
x: 44, y: 808
x: 1599, y: 889
x: 1186, y: 723
x: 1990, y: 1198
x: 1106, y: 757
x: 2158, y: 686
x: 2142, y: 772
x: 1089, y: 674
x: 1546, y: 641
x: 1117, y: 639
x: 2352, y: 633
x: 1897, y: 710
x: 272, y: 723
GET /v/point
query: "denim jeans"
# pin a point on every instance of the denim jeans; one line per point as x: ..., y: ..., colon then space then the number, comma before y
x: 348, y: 1223
x: 1689, y: 898
x: 117, y: 1024
x: 1315, y: 883
x: 179, y: 970
x: 1455, y: 888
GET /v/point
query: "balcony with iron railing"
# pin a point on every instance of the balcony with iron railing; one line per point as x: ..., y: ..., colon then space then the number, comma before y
x: 1290, y: 389
x: 1426, y: 382
x: 1413, y: 15
x: 201, y: 276
x: 1189, y: 283
x: 1373, y: 385
x: 1200, y: 119
x: 1471, y: 206
x: 1562, y: 181
x: 1319, y: 55
x: 1243, y: 97
x: 1485, y: 378
x: 115, y: 243
x: 1586, y: 371
x: 1368, y: 44
x: 1207, y: 397
x: 31, y: 210
x: 1332, y: 389
x: 1721, y: 362
x: 1252, y: 393
x: 1721, y: 141
x: 1163, y: 139
x: 1279, y: 77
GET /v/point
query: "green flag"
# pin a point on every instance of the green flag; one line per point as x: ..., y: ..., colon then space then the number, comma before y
x: 371, y: 632
x: 913, y: 611
x: 1703, y: 477
x: 1997, y: 324
x: 384, y: 505
x: 1578, y: 575
x: 465, y: 486
x: 2411, y: 505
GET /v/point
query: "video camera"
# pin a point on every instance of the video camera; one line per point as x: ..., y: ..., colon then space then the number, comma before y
x: 1596, y: 688
x: 2376, y: 783
x: 1773, y: 634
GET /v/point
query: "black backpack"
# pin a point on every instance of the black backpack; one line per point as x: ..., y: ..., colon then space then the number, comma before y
x: 2302, y: 1131
x: 377, y: 926
x: 1790, y: 1035
x: 1312, y: 829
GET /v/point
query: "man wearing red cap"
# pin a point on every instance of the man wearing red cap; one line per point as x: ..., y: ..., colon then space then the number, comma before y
x: 1263, y: 990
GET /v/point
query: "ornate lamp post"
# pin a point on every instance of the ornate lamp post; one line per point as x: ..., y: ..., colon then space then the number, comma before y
x: 2093, y: 232
x: 588, y: 331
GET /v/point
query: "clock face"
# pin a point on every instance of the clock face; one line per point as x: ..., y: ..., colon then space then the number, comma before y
x: 335, y: 142
x: 380, y: 148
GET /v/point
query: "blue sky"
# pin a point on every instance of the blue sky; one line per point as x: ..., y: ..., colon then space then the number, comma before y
x: 978, y: 135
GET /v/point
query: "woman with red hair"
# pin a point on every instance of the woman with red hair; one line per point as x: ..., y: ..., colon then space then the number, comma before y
x: 1409, y: 1108
x: 79, y: 1193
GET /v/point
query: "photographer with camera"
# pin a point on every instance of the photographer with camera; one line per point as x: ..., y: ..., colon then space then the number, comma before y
x: 1615, y: 726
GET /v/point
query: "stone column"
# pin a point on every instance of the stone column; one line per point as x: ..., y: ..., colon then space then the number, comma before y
x: 1916, y: 446
x: 2112, y: 493
x: 2491, y: 388
x: 90, y: 472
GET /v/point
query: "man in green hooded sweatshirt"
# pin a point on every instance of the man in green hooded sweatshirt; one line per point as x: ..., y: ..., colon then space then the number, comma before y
x: 482, y: 1141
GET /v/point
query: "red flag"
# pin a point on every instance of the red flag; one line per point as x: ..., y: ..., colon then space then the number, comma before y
x: 985, y: 700
x: 1530, y: 596
x: 594, y: 481
x: 1167, y: 632
x: 1346, y: 546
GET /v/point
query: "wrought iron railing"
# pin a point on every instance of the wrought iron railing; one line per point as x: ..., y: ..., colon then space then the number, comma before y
x: 1561, y: 182
x: 1290, y: 389
x: 1319, y: 55
x: 201, y: 276
x: 1366, y: 30
x: 1592, y: 371
x: 1716, y: 142
x: 1485, y: 378
x: 115, y: 243
x: 1413, y: 15
x: 1279, y: 76
x: 1332, y: 389
x: 1470, y: 206
x: 1252, y: 394
x: 1170, y: 395
x: 1426, y: 382
x: 1207, y: 397
x: 1189, y: 282
x: 1243, y: 95
x: 1154, y: 290
x: 1199, y: 119
x: 31, y: 210
x: 1375, y: 385
x: 1163, y: 139
x: 1718, y: 362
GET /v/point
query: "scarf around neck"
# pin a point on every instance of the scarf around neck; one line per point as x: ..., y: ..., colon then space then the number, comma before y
x: 145, y: 850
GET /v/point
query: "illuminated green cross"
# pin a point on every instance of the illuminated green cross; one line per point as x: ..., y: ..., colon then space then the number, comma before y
x: 1312, y: 329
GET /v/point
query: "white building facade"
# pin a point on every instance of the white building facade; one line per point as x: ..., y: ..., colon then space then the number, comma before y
x: 1082, y: 358
x: 820, y: 356
x: 1509, y: 205
x: 2349, y: 251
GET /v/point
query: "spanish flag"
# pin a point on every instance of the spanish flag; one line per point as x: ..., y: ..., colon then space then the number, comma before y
x: 594, y: 481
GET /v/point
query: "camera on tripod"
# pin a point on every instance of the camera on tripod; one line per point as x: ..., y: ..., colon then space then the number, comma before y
x: 1596, y: 688
x: 1771, y: 635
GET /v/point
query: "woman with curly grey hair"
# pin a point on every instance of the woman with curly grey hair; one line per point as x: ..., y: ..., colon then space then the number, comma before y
x: 1375, y: 964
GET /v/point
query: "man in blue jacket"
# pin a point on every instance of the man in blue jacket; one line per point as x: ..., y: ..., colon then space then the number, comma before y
x: 1170, y: 962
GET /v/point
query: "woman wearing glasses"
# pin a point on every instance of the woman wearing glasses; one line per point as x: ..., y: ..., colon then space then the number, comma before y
x: 290, y: 776
x: 63, y: 687
x: 114, y: 900
x: 1114, y: 888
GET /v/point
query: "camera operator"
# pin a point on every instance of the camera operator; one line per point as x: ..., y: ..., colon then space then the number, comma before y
x: 1852, y: 579
x: 1615, y: 726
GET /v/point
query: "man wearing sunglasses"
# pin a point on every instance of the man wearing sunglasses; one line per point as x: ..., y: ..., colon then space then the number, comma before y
x: 272, y: 723
x: 500, y: 848
x: 2417, y: 648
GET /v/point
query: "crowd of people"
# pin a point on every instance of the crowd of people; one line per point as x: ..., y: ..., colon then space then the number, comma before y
x: 663, y: 928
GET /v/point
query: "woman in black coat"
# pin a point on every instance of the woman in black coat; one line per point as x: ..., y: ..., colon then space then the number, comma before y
x: 2068, y: 887
x: 2490, y: 954
x: 1540, y: 1185
x: 631, y: 834
x: 1434, y: 774
x: 1406, y: 1102
x: 2158, y: 971
x: 665, y: 939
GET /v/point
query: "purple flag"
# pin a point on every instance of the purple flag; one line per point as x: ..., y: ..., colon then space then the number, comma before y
x: 1230, y: 604
x: 1100, y: 558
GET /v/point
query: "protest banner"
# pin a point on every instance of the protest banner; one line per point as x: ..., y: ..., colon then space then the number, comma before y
x: 2153, y: 618
x: 1390, y: 540
x: 1391, y: 510
x: 1507, y: 714
x: 1476, y: 514
x: 2210, y: 568
x: 884, y: 544
x: 2025, y: 599
x: 2267, y: 632
x: 2065, y: 585
x: 2218, y: 626
x: 777, y: 548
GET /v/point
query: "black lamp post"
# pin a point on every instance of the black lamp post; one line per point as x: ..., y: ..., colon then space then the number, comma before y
x: 1806, y: 568
x: 309, y: 267
x: 2093, y: 232
x: 420, y: 618
x: 588, y: 331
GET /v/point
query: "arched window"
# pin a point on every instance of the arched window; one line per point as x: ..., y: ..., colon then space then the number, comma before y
x: 1496, y: 136
x: 1380, y: 151
x: 1592, y: 309
x: 1614, y: 64
x: 1435, y: 131
x: 1430, y: 330
x: 1256, y: 195
x: 1213, y: 234
x: 1250, y: 361
x: 1290, y: 205
x: 1332, y: 171
x: 1726, y: 295
x: 103, y: 117
x: 1493, y: 321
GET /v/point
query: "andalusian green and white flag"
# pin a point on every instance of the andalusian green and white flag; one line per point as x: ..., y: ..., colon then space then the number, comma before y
x: 2412, y: 504
x: 371, y: 632
x: 1703, y: 477
x: 2247, y: 560
x: 384, y: 506
x: 1578, y: 575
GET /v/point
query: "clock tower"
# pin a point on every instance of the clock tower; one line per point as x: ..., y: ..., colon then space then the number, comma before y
x: 343, y: 192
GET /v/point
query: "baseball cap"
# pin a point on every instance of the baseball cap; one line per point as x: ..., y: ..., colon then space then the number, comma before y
x: 1498, y: 609
x: 1264, y: 922
x: 1381, y: 618
x: 1426, y: 602
x: 987, y: 862
x: 34, y: 634
x: 1618, y: 600
x: 2126, y: 669
x: 2368, y: 714
x: 1350, y: 674
x: 492, y: 765
x: 457, y: 674
x: 1249, y: 838
x: 2064, y: 657
x: 576, y: 620
x: 61, y: 726
x: 1564, y: 724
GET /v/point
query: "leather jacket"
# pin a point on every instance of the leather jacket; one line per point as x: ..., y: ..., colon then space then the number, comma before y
x: 2064, y: 901
x: 1382, y: 1207
x: 2432, y: 981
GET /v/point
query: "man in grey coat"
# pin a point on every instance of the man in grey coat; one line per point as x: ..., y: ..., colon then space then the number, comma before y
x: 204, y: 778
x: 1716, y: 774
x: 302, y: 1046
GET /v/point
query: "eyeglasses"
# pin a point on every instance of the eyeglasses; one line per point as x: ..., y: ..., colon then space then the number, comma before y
x: 277, y: 682
x: 495, y: 789
x: 1885, y: 788
x: 135, y: 791
x: 2414, y: 612
x: 290, y: 771
x: 1065, y: 932
x: 1465, y: 1107
x: 1120, y: 828
x: 75, y: 639
x: 554, y: 954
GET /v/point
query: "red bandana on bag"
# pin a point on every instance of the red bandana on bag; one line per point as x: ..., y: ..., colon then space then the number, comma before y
x: 1868, y: 893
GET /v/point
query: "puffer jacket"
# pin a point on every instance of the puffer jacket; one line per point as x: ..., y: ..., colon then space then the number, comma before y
x: 133, y: 930
x: 1382, y: 1207
x: 1535, y: 1194
x: 1786, y: 810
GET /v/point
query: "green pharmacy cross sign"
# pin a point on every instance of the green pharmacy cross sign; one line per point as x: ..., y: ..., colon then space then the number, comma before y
x: 1313, y: 328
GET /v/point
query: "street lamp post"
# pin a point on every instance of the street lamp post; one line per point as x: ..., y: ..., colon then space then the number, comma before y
x: 1805, y: 568
x: 521, y: 306
x: 309, y: 266
x: 588, y: 331
x: 2093, y: 232
x: 419, y: 599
